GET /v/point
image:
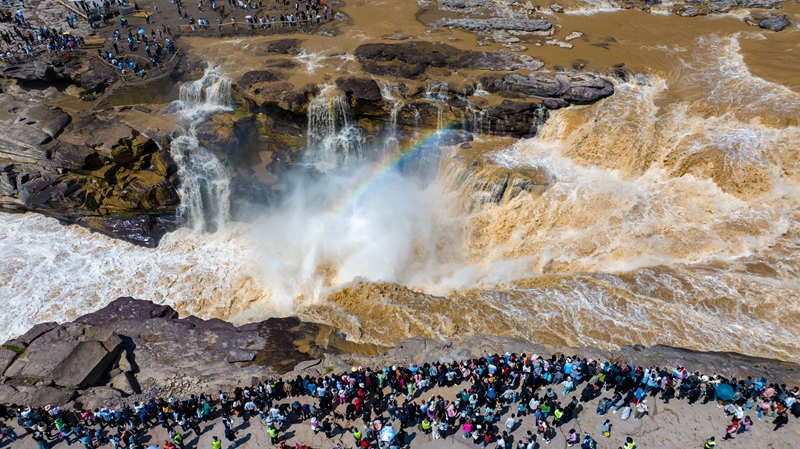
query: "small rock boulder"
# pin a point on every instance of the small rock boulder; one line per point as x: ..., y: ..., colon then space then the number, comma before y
x: 360, y: 89
x: 73, y: 355
x: 775, y: 23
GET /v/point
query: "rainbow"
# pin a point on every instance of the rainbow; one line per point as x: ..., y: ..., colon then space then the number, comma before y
x: 382, y: 169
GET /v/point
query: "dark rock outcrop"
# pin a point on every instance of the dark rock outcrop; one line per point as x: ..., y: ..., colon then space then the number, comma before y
x: 775, y: 23
x: 71, y: 356
x: 411, y: 59
x: 415, y: 98
x: 360, y: 89
x: 285, y: 46
x: 87, y: 170
x: 574, y: 88
x: 497, y: 23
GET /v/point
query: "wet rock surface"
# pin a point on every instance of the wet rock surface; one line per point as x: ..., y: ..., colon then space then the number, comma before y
x: 492, y: 24
x: 87, y: 170
x: 510, y: 16
x: 404, y: 90
x: 572, y: 88
x: 775, y: 23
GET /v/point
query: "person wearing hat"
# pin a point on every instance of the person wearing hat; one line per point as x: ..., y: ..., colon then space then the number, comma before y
x: 710, y: 443
x: 629, y: 444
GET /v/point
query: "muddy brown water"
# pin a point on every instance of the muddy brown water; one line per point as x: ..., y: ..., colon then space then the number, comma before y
x: 670, y: 212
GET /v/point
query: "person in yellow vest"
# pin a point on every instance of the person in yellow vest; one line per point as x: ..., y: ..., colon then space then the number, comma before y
x: 711, y: 443
x: 426, y: 426
x: 629, y: 444
x: 559, y: 413
x: 178, y: 440
x: 357, y: 435
x: 273, y: 434
x: 216, y: 443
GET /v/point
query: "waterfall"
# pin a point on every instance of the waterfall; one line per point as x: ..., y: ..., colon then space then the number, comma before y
x: 387, y: 92
x: 205, y: 185
x: 211, y: 93
x: 438, y: 92
x: 204, y: 180
x: 333, y: 138
x: 475, y: 119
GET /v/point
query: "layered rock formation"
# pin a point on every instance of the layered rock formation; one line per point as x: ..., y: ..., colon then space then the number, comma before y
x: 525, y: 18
x: 412, y: 95
x: 133, y: 345
x: 87, y: 170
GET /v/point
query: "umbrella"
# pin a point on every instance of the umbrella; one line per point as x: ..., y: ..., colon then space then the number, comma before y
x: 71, y: 44
x: 387, y: 433
x: 65, y: 33
x: 724, y: 392
x: 142, y: 31
x: 248, y: 17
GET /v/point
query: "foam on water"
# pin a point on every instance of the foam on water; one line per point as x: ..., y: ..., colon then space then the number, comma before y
x: 52, y: 272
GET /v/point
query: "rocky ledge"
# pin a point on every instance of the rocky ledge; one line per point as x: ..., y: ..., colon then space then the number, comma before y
x: 87, y: 170
x: 134, y: 349
x: 498, y: 92
x: 528, y: 18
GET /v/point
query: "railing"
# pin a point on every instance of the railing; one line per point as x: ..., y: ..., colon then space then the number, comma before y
x: 112, y: 9
x: 125, y: 78
x: 251, y: 26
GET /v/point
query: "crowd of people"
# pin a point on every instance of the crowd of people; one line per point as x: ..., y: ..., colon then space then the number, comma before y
x: 378, y: 407
x: 305, y: 14
x: 25, y: 40
x: 157, y: 46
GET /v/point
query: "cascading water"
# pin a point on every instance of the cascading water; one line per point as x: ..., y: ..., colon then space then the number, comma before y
x: 205, y: 182
x: 665, y: 214
x: 209, y: 94
x: 205, y: 185
x: 475, y: 119
x: 387, y: 92
x: 439, y: 93
x: 333, y: 139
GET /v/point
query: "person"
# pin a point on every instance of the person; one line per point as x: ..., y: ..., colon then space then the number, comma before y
x: 230, y: 435
x: 731, y: 430
x: 573, y: 438
x: 216, y: 443
x: 710, y: 443
x: 178, y: 440
x: 588, y: 442
x: 629, y: 444
x: 745, y: 425
x: 626, y: 412
x: 641, y: 409
x: 39, y: 439
x: 510, y: 422
x: 569, y: 385
x: 781, y: 420
x: 605, y: 429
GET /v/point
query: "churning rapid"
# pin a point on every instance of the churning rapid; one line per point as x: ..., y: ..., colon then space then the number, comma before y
x: 666, y: 213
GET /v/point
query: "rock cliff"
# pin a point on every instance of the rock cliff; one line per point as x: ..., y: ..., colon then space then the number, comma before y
x: 87, y: 170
